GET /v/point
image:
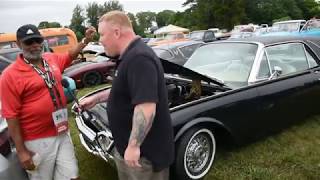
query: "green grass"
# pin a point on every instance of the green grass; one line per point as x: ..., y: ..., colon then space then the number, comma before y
x: 293, y: 154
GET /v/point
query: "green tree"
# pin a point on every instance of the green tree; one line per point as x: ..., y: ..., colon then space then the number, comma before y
x: 137, y: 29
x: 215, y: 13
x: 110, y: 6
x: 43, y: 25
x: 165, y: 18
x: 92, y: 10
x: 46, y: 24
x: 77, y: 22
x: 309, y: 8
x: 54, y: 25
x: 145, y: 19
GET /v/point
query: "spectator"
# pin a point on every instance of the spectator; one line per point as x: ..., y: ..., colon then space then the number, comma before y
x: 34, y: 105
x: 137, y: 104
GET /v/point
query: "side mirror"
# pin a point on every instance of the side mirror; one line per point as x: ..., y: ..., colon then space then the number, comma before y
x: 276, y: 72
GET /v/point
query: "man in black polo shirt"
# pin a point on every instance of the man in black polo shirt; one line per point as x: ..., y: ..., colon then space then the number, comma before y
x: 137, y: 103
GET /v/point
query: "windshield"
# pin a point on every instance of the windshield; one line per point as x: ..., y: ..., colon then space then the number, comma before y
x: 228, y: 62
x: 196, y: 35
x: 312, y: 24
x: 287, y: 27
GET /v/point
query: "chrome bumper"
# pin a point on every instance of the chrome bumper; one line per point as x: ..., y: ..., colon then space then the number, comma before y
x: 98, y: 143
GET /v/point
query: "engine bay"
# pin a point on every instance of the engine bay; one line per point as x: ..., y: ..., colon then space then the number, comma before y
x: 181, y: 90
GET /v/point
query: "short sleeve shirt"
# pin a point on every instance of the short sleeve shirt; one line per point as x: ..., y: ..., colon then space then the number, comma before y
x: 25, y: 96
x: 139, y: 78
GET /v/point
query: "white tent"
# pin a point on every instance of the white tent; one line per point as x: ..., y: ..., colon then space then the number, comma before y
x: 170, y: 28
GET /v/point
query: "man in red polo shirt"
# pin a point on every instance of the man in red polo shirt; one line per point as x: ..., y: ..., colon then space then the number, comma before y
x: 34, y: 105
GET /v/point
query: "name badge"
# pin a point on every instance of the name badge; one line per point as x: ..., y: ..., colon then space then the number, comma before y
x: 60, y: 119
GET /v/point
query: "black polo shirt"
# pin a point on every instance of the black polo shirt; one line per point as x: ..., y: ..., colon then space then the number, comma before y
x: 139, y: 78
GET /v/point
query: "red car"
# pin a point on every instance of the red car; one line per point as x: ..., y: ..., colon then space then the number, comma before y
x: 91, y: 72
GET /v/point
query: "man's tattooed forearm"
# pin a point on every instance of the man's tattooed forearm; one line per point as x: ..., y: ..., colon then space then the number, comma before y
x: 140, y: 127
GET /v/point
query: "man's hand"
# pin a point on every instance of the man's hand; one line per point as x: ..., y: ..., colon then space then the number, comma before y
x: 25, y: 158
x: 89, y: 34
x: 132, y: 156
x: 88, y: 102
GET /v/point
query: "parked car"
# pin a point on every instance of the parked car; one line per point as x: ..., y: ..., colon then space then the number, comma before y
x: 178, y: 52
x: 203, y: 35
x: 233, y: 91
x: 285, y: 28
x: 241, y: 35
x: 10, y: 167
x: 311, y: 28
x: 169, y: 38
x: 90, y: 73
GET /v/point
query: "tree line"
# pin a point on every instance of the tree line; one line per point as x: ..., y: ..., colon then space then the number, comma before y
x: 199, y: 14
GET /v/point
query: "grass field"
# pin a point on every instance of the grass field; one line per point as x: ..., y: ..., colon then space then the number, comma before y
x: 293, y: 154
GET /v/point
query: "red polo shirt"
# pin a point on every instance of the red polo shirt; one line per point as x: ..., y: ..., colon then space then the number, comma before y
x: 25, y: 96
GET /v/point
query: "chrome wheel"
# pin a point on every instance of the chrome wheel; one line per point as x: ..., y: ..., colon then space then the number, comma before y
x: 199, y: 153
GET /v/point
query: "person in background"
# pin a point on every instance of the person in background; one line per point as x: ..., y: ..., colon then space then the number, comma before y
x: 34, y: 106
x: 137, y: 103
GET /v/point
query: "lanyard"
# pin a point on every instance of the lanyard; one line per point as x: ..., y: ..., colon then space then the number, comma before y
x: 49, y: 80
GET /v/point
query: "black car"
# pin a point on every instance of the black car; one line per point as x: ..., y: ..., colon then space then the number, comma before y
x: 177, y: 52
x: 203, y: 35
x: 233, y: 91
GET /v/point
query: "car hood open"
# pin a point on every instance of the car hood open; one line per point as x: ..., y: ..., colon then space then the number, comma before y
x: 172, y: 68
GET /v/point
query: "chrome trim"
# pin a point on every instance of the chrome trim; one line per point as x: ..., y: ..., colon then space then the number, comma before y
x: 83, y: 142
x: 256, y: 64
x: 107, y: 135
x: 85, y: 129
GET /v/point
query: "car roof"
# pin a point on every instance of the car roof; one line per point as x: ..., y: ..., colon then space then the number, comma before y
x: 177, y: 44
x: 290, y: 21
x: 268, y: 40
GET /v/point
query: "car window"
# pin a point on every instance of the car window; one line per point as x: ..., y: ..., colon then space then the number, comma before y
x: 311, y: 60
x: 290, y: 57
x: 187, y: 51
x: 264, y: 70
x: 208, y: 35
x: 57, y: 40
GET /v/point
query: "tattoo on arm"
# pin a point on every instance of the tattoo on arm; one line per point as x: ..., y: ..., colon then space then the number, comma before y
x: 140, y: 126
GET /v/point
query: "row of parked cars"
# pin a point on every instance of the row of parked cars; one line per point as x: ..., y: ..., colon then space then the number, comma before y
x: 226, y: 92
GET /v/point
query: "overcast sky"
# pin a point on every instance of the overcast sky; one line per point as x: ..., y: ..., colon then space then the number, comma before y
x: 14, y: 13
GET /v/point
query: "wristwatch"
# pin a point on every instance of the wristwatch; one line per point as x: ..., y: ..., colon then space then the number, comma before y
x: 83, y: 41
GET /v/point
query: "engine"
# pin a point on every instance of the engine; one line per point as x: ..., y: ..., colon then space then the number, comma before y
x: 182, y: 90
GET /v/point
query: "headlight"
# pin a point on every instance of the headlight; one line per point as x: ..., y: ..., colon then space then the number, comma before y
x: 105, y: 141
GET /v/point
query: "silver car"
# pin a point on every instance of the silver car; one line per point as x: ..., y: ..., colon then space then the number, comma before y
x: 10, y: 167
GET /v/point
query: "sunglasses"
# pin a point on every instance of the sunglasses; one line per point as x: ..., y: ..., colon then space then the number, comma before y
x: 29, y: 42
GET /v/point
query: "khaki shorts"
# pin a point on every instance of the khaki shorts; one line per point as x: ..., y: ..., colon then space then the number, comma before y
x: 57, y: 158
x: 140, y: 173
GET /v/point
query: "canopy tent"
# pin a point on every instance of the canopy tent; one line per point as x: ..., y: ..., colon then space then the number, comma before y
x: 170, y: 28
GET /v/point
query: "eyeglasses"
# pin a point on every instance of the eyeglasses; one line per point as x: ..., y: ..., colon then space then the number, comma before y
x: 29, y: 42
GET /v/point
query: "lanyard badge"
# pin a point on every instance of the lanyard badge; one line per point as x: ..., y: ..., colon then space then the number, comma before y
x: 60, y: 115
x: 60, y: 119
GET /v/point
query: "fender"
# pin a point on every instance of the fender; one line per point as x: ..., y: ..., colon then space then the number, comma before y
x: 198, y: 121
